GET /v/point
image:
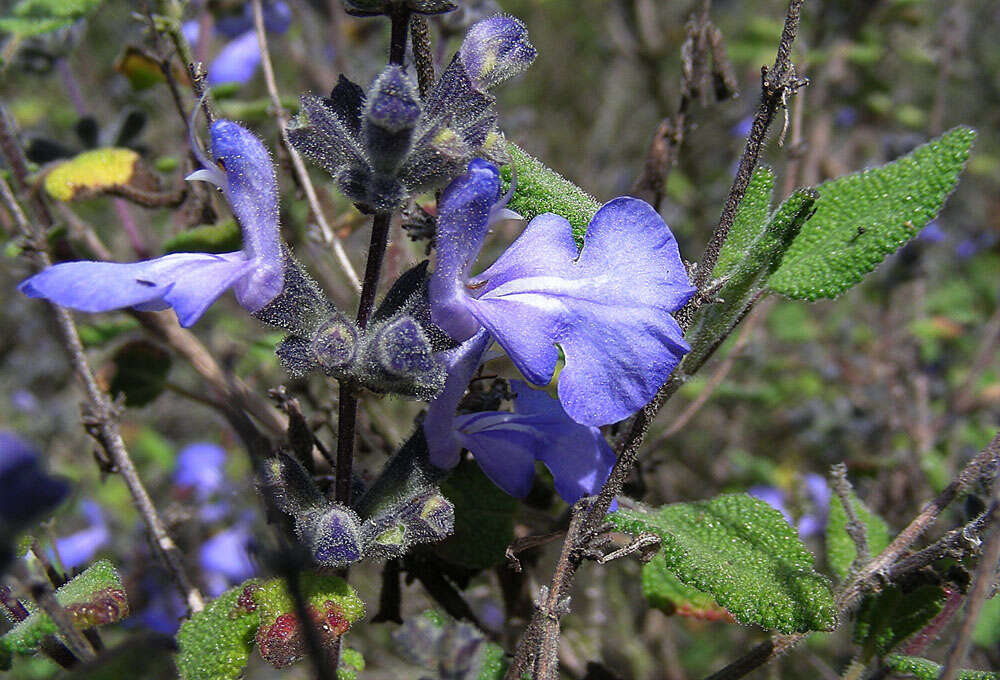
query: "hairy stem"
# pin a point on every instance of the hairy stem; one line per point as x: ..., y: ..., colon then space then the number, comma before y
x: 400, y: 18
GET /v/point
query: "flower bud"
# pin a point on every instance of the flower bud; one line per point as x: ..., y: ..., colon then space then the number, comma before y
x: 390, y: 114
x: 402, y: 348
x: 496, y: 49
x: 333, y: 535
x: 335, y: 344
x: 290, y: 485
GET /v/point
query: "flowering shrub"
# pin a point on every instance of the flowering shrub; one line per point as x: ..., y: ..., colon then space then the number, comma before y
x: 339, y: 436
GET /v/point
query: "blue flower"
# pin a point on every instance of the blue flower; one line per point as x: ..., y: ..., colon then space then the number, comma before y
x: 507, y: 445
x: 239, y: 59
x: 604, y: 311
x: 26, y: 490
x: 191, y: 282
x: 200, y: 469
x: 817, y: 497
x: 225, y: 558
x: 79, y: 548
x: 495, y: 49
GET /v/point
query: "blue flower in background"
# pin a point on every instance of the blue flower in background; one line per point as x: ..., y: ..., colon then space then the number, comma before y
x: 507, y: 445
x: 817, y: 495
x: 239, y: 58
x: 225, y: 558
x: 605, y: 310
x: 79, y: 548
x: 191, y: 282
x: 200, y: 470
x: 26, y: 490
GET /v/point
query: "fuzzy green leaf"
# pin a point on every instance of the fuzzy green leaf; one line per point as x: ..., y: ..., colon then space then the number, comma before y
x: 351, y: 663
x: 94, y: 598
x: 223, y: 237
x: 669, y: 594
x: 840, y: 552
x: 749, y: 223
x: 925, y: 669
x: 863, y: 217
x: 743, y: 552
x: 215, y: 643
x: 484, y: 519
x: 890, y: 617
x: 541, y: 190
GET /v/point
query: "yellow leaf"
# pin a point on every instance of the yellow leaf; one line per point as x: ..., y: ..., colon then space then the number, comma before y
x: 91, y: 171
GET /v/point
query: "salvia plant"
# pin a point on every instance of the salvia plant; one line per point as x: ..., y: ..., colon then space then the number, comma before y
x: 520, y: 320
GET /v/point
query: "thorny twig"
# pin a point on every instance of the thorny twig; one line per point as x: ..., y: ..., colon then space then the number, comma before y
x: 301, y: 173
x: 102, y: 423
x: 986, y: 461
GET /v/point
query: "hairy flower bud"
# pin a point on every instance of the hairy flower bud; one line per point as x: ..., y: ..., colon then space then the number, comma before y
x: 333, y: 535
x: 390, y: 114
x: 335, y: 343
x: 496, y: 49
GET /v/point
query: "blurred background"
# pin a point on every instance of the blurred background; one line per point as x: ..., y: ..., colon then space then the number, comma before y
x: 899, y: 379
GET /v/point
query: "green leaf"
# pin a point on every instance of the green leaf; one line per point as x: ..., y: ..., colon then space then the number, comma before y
x: 541, y: 190
x: 35, y: 17
x: 223, y: 237
x: 215, y: 643
x: 140, y: 372
x: 890, y: 617
x: 743, y: 552
x: 863, y: 217
x: 484, y: 519
x: 94, y: 598
x: 925, y: 669
x: 750, y: 220
x: 747, y: 277
x: 840, y: 552
x: 669, y: 594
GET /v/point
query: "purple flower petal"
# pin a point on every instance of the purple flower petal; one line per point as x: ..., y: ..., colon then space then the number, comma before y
x: 237, y: 61
x: 773, y: 496
x: 464, y: 211
x: 607, y: 309
x: 438, y: 425
x: 200, y: 466
x: 227, y: 553
x: 188, y: 282
x: 495, y: 49
x: 79, y: 548
x: 504, y: 448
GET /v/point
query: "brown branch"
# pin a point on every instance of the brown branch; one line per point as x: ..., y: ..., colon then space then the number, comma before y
x: 777, y: 83
x: 423, y: 58
x: 79, y: 646
x: 982, y: 582
x: 855, y: 527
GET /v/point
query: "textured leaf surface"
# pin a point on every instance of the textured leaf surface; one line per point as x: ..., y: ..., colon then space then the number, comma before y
x: 223, y: 237
x: 749, y: 223
x: 743, y: 552
x: 484, y: 519
x: 863, y: 217
x: 541, y: 190
x: 890, y: 617
x: 90, y: 172
x: 94, y: 598
x: 215, y: 643
x: 669, y: 594
x: 351, y: 663
x: 925, y: 669
x: 840, y: 550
